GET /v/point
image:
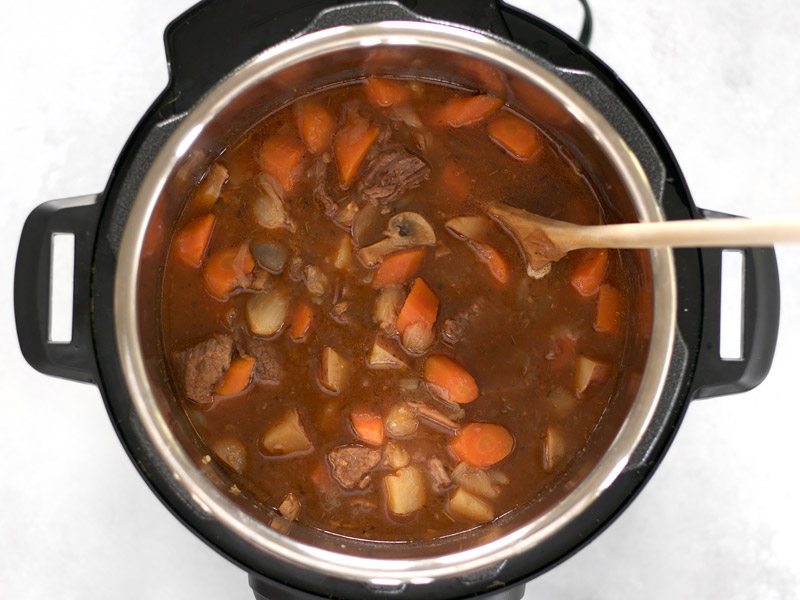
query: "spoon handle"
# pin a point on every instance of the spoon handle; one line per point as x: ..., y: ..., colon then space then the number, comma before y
x: 695, y: 233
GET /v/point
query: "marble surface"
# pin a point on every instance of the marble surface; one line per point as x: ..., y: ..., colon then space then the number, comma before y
x: 719, y: 519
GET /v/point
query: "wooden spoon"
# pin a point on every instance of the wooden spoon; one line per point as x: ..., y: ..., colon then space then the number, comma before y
x: 545, y: 241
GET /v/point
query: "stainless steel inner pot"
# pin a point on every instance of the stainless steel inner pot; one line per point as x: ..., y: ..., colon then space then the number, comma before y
x: 326, y: 57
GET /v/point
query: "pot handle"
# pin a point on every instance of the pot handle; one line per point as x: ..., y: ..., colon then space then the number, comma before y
x: 32, y: 285
x: 715, y: 376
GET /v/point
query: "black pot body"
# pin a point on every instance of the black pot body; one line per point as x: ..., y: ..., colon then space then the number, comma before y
x: 213, y: 38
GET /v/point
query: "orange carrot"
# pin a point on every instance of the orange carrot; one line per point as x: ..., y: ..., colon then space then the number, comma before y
x: 515, y: 135
x: 226, y: 269
x: 398, y: 267
x: 368, y: 427
x: 459, y: 112
x: 609, y: 303
x: 237, y: 377
x: 315, y: 124
x: 351, y: 144
x: 498, y: 266
x: 455, y: 181
x: 421, y: 305
x: 300, y: 321
x: 589, y: 274
x: 192, y: 240
x: 449, y: 379
x: 280, y: 157
x: 482, y: 444
x: 385, y: 92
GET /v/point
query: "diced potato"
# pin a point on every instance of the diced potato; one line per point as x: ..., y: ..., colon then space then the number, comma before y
x: 333, y: 370
x: 395, y: 456
x: 266, y: 313
x: 561, y: 401
x: 400, y: 421
x: 471, y: 227
x: 553, y: 448
x: 287, y: 436
x: 290, y: 507
x: 474, y: 480
x: 499, y: 477
x: 587, y: 371
x: 470, y: 507
x: 316, y: 281
x: 405, y: 490
x: 388, y: 304
x: 343, y: 259
x: 232, y: 452
x: 383, y: 356
x: 418, y: 337
x: 209, y: 189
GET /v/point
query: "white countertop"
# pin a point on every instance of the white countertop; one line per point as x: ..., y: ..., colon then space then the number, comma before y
x: 719, y: 520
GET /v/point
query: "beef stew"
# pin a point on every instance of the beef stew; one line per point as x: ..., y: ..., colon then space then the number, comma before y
x: 359, y: 344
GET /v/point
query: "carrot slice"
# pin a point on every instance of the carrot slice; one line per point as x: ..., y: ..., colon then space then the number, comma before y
x: 460, y: 112
x: 226, y: 269
x: 368, y: 427
x: 192, y: 240
x: 449, y: 379
x: 315, y: 124
x: 280, y: 157
x: 351, y: 144
x: 421, y: 305
x: 515, y: 135
x: 237, y: 377
x: 300, y: 321
x: 398, y: 267
x: 589, y: 274
x: 385, y: 92
x: 455, y: 181
x: 609, y: 303
x: 498, y: 266
x: 482, y: 444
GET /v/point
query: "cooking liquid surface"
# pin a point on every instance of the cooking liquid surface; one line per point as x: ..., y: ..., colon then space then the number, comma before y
x: 521, y: 340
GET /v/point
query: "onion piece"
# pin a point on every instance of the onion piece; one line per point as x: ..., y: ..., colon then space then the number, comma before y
x: 387, y: 306
x: 266, y: 312
x: 474, y: 480
x: 400, y: 421
x: 232, y: 452
x: 553, y: 448
x: 588, y: 371
x: 268, y: 207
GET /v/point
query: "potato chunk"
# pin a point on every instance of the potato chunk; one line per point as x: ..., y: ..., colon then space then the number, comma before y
x: 405, y: 490
x: 470, y: 507
x: 333, y: 370
x: 475, y: 481
x: 287, y: 436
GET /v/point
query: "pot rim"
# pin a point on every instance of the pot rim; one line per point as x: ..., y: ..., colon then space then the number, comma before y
x: 208, y: 498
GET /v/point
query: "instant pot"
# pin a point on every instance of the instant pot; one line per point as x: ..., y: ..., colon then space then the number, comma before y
x: 231, y: 62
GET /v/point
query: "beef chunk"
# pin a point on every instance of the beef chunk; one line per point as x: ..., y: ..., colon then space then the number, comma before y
x: 351, y: 465
x: 439, y: 477
x: 319, y: 173
x: 269, y: 368
x: 203, y: 365
x: 392, y: 173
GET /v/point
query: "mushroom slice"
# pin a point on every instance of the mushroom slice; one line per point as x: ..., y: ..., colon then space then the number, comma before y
x: 405, y: 230
x: 432, y: 416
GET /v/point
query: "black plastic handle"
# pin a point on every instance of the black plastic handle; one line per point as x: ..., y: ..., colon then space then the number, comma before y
x: 75, y: 359
x: 716, y: 376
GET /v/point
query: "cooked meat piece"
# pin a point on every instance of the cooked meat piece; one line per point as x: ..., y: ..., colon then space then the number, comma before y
x: 290, y: 507
x: 316, y: 281
x: 439, y: 477
x: 260, y: 280
x: 392, y: 173
x: 269, y: 368
x: 351, y: 465
x: 319, y: 175
x: 202, y: 366
x: 454, y: 329
x: 296, y: 268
